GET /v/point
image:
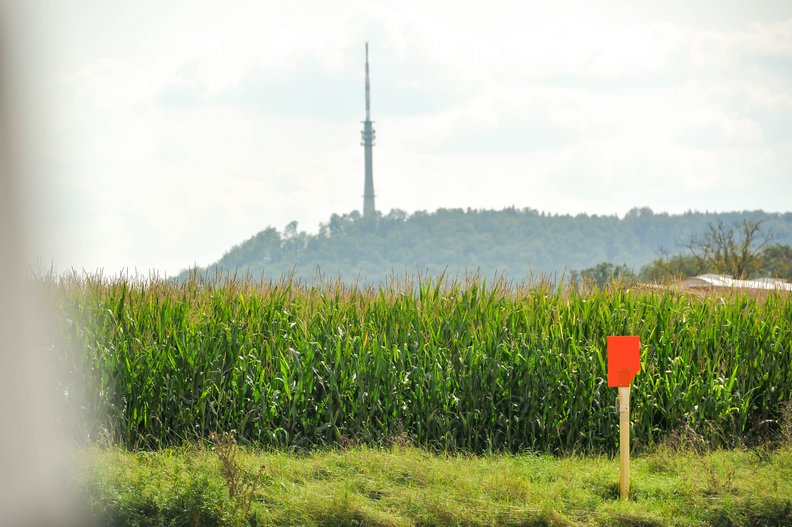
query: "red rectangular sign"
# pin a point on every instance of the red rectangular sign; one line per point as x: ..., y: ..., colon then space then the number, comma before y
x: 624, y: 360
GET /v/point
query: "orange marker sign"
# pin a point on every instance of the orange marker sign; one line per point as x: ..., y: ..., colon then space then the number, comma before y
x: 624, y: 360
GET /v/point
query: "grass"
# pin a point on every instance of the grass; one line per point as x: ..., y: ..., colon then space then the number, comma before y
x: 404, y: 486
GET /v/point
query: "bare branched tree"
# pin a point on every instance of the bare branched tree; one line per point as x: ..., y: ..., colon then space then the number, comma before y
x: 734, y: 249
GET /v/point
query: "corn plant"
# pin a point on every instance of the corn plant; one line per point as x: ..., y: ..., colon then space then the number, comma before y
x: 454, y: 364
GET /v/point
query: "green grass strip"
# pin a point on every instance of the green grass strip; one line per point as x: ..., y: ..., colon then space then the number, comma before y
x: 403, y: 486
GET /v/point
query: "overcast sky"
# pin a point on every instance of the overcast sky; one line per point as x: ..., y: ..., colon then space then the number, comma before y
x: 164, y: 132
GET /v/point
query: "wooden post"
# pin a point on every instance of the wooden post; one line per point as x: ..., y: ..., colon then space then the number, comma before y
x: 624, y: 442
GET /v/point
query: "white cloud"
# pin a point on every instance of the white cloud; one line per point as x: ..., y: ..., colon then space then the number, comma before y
x: 182, y: 128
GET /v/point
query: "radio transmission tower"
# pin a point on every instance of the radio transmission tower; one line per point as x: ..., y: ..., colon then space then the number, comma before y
x: 368, y: 136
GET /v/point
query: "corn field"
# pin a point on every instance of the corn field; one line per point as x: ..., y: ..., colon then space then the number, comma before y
x: 449, y: 365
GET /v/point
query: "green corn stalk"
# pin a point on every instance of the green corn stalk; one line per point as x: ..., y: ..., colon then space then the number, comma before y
x: 454, y: 364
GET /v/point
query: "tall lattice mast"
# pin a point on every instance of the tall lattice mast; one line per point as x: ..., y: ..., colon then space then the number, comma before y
x: 368, y: 136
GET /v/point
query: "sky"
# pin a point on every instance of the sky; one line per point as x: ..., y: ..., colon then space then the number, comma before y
x: 161, y: 133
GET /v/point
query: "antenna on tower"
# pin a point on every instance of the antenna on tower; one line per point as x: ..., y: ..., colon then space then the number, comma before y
x: 368, y: 88
x: 368, y: 136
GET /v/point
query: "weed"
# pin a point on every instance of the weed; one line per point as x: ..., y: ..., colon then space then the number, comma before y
x: 786, y: 423
x: 241, y: 486
x: 718, y: 482
x: 685, y: 439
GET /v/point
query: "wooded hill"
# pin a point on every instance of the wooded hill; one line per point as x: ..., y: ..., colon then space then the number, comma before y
x: 518, y: 243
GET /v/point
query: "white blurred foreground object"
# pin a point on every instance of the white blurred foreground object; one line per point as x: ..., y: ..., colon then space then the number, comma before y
x: 34, y: 479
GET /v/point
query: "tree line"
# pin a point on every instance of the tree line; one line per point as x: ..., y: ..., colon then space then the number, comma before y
x: 741, y: 250
x: 519, y: 244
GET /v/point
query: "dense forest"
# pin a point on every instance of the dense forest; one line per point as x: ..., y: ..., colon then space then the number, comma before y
x: 518, y: 243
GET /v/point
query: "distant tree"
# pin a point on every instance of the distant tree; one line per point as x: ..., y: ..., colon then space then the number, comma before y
x: 673, y: 267
x: 777, y: 261
x: 639, y: 212
x: 396, y: 216
x: 261, y: 248
x: 291, y: 230
x: 605, y: 273
x: 732, y: 249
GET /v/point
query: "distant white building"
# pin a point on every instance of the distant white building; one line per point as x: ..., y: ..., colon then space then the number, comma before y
x: 721, y: 280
